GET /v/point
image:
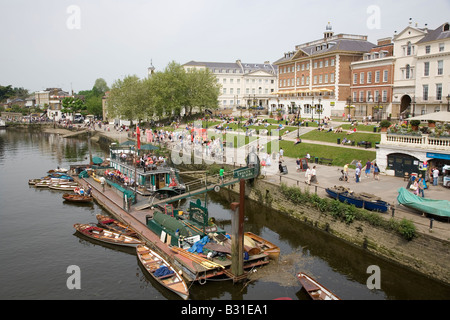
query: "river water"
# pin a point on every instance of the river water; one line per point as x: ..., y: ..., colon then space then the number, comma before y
x: 39, y: 244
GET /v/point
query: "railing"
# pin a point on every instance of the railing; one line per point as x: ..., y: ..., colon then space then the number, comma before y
x: 424, y: 141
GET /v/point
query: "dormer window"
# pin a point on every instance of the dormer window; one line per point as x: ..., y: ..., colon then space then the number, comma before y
x: 446, y: 27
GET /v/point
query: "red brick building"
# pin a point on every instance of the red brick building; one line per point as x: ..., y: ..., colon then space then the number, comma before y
x: 372, y: 82
x: 315, y: 78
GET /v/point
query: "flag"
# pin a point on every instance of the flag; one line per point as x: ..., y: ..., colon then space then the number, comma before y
x: 138, y: 134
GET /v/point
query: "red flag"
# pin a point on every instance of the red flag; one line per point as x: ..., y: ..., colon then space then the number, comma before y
x: 138, y: 134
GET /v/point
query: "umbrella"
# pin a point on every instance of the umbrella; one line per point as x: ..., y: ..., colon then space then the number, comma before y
x: 148, y: 147
x: 128, y: 143
x: 97, y: 160
x: 441, y: 116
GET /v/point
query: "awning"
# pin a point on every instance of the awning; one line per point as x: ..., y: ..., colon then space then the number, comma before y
x: 441, y: 116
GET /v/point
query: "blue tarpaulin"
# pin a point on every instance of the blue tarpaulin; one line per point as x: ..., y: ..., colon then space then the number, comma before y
x: 198, y: 246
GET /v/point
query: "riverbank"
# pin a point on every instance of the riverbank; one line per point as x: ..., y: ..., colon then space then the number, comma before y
x: 425, y: 254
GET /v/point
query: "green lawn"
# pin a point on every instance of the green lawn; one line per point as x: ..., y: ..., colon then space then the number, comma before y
x: 332, y: 137
x: 340, y: 155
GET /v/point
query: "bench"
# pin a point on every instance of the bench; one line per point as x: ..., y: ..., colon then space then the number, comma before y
x: 325, y: 161
x: 365, y: 144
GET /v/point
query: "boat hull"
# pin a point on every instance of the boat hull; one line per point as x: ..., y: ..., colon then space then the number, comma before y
x: 77, y: 198
x: 265, y: 246
x: 153, y: 262
x: 106, y: 236
x: 314, y: 289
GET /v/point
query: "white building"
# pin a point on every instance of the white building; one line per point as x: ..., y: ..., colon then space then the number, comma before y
x: 243, y: 84
x: 405, y: 71
x: 433, y: 71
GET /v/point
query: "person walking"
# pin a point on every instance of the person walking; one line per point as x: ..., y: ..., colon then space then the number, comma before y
x: 376, y: 171
x: 221, y: 173
x: 346, y: 173
x: 435, y: 176
x: 313, y: 175
x: 420, y: 186
x: 357, y: 173
x: 308, y: 176
x: 368, y: 167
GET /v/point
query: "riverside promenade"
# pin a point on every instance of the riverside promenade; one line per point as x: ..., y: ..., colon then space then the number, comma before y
x: 328, y: 176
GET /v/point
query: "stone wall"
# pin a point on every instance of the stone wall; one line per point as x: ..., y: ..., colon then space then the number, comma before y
x: 424, y: 254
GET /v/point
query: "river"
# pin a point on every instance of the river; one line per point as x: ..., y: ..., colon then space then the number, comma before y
x: 39, y: 244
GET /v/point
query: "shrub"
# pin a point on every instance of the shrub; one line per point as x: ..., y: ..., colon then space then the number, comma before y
x: 407, y: 229
x: 385, y: 124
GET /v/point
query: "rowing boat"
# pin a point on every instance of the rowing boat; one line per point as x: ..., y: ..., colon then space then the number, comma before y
x: 107, y: 236
x: 63, y: 187
x: 115, y: 225
x: 162, y: 271
x: 252, y: 240
x: 77, y: 197
x: 314, y: 289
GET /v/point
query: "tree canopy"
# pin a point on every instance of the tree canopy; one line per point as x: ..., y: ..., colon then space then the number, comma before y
x: 165, y: 93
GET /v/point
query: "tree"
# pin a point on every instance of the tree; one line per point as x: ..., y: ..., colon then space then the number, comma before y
x: 202, y: 90
x: 72, y: 105
x: 128, y: 99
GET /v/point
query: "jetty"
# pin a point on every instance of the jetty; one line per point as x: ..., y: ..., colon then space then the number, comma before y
x: 193, y: 267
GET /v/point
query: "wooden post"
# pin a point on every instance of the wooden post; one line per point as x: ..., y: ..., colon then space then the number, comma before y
x: 237, y: 225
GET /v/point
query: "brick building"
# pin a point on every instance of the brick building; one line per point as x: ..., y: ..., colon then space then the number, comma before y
x: 314, y: 80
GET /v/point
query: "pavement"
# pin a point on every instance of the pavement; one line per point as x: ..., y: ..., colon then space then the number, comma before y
x: 328, y: 176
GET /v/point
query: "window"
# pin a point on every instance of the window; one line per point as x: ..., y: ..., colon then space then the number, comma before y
x: 369, y: 77
x: 298, y: 81
x: 408, y: 49
x: 361, y: 96
x: 303, y: 80
x: 231, y: 90
x: 320, y: 64
x: 377, y: 76
x: 332, y: 78
x: 355, y: 78
x: 384, y: 96
x: 427, y: 49
x: 354, y: 96
x: 426, y: 69
x: 238, y: 90
x: 315, y: 79
x: 369, y: 96
x: 439, y: 91
x: 326, y: 78
x: 385, y: 75
x: 440, y: 70
x: 224, y: 90
x: 425, y: 92
x: 361, y: 78
x: 224, y: 80
x: 376, y: 96
x: 307, y: 80
x: 326, y: 63
x: 315, y: 65
x: 441, y: 47
x: 332, y: 62
x: 320, y: 78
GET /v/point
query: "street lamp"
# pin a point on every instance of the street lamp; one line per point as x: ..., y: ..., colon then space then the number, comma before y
x: 448, y: 103
x: 312, y: 108
x: 349, y: 102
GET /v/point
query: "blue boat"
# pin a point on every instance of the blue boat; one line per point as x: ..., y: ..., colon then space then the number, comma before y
x: 359, y: 200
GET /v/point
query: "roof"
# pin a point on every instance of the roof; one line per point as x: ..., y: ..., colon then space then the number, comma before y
x: 243, y: 66
x: 331, y: 46
x: 437, y: 34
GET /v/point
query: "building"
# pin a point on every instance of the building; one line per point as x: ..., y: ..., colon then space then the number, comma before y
x: 243, y: 84
x: 51, y: 98
x: 432, y: 88
x: 421, y: 87
x: 372, y: 82
x: 315, y: 78
x: 405, y: 51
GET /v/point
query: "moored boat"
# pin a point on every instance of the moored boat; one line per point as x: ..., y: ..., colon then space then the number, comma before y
x: 314, y: 289
x: 162, y: 271
x: 77, y: 198
x: 63, y: 187
x: 115, y: 225
x: 107, y: 236
x: 253, y: 240
x: 359, y: 200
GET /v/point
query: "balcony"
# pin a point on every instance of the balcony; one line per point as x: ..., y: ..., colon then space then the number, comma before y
x: 423, y: 142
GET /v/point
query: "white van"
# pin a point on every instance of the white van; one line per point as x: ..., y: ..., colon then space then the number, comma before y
x: 446, y: 176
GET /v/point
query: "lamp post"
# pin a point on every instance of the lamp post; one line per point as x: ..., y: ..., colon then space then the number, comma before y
x: 319, y: 108
x: 312, y: 108
x: 349, y: 101
x: 448, y: 103
x: 298, y: 122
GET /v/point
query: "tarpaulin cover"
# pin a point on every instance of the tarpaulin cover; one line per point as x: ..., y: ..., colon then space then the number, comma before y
x: 436, y: 207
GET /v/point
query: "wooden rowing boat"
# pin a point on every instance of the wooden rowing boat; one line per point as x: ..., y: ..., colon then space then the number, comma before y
x: 63, y: 187
x: 162, y: 271
x: 314, y: 289
x: 77, y: 198
x: 254, y: 241
x: 115, y: 225
x: 107, y: 236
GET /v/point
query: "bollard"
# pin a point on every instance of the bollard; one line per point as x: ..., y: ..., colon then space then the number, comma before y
x: 431, y: 224
x: 393, y: 211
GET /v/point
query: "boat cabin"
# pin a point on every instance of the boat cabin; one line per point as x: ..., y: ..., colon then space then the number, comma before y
x: 150, y: 172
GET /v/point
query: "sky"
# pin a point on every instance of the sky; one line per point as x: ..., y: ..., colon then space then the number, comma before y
x: 69, y: 44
